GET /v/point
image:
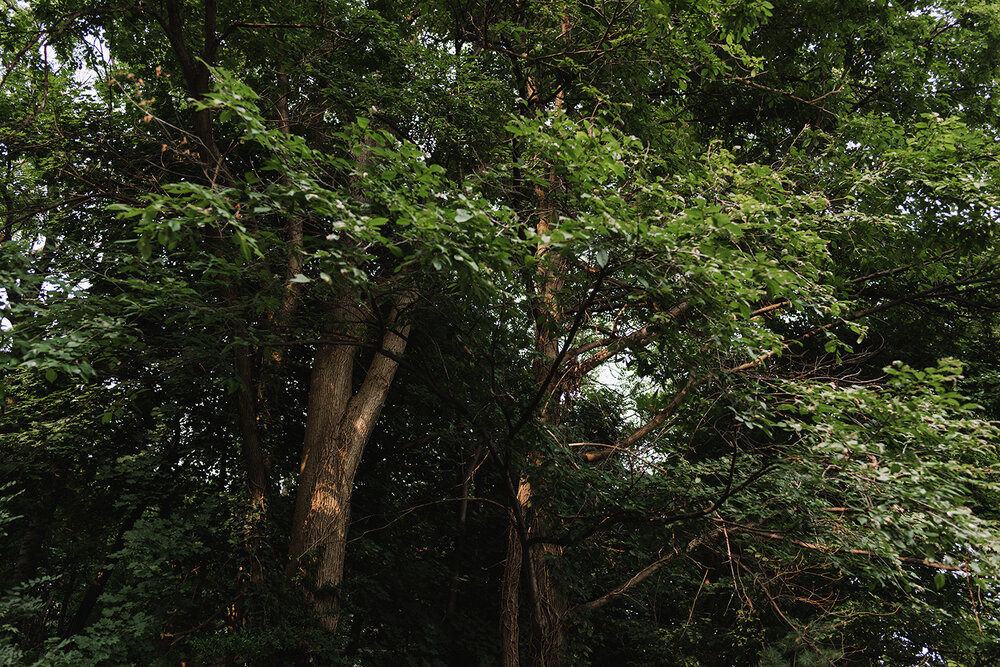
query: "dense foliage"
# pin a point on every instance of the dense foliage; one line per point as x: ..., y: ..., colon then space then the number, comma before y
x: 646, y: 333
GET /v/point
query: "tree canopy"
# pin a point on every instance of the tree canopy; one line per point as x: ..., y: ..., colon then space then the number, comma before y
x: 603, y: 332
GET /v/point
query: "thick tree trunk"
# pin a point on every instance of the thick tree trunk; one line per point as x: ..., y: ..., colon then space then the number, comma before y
x: 548, y: 604
x: 547, y: 607
x: 546, y: 599
x: 338, y: 426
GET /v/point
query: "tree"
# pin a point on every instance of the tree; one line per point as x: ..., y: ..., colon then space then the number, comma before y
x: 625, y: 275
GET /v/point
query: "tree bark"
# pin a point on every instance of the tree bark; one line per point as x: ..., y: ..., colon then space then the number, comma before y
x: 547, y: 605
x: 339, y: 424
x: 546, y: 599
x: 510, y: 636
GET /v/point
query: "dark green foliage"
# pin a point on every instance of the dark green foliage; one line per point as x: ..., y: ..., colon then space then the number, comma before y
x: 777, y: 220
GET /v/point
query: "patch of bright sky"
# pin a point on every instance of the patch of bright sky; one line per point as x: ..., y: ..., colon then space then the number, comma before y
x: 87, y: 77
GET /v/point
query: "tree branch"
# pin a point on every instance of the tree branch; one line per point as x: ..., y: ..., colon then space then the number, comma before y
x: 812, y: 546
x: 640, y: 576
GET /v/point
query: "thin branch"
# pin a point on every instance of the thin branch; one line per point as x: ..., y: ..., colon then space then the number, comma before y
x: 813, y: 102
x: 838, y: 550
x: 409, y: 510
x: 543, y: 387
x: 900, y: 269
x: 640, y: 576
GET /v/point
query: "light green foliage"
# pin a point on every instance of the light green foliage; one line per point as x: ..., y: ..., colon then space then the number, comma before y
x: 408, y: 207
x: 909, y: 464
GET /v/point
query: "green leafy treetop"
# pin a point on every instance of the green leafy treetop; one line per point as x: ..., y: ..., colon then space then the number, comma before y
x: 481, y: 333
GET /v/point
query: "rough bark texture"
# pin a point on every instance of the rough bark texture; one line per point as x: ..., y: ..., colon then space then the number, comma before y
x: 548, y: 646
x: 510, y: 636
x: 338, y: 426
x: 546, y: 600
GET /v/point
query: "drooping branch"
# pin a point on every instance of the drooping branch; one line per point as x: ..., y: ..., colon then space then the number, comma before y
x: 612, y: 347
x: 900, y: 269
x: 975, y: 283
x: 643, y: 574
x: 812, y: 546
x: 647, y: 428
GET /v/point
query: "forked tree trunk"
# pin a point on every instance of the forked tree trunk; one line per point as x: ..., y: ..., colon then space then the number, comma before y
x: 545, y: 598
x: 548, y: 604
x: 338, y: 426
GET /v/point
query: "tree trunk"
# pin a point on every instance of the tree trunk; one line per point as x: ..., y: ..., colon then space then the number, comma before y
x: 338, y: 427
x: 509, y: 599
x: 461, y: 525
x: 546, y: 600
x: 253, y: 452
x: 30, y: 552
x: 547, y: 605
x: 198, y: 79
